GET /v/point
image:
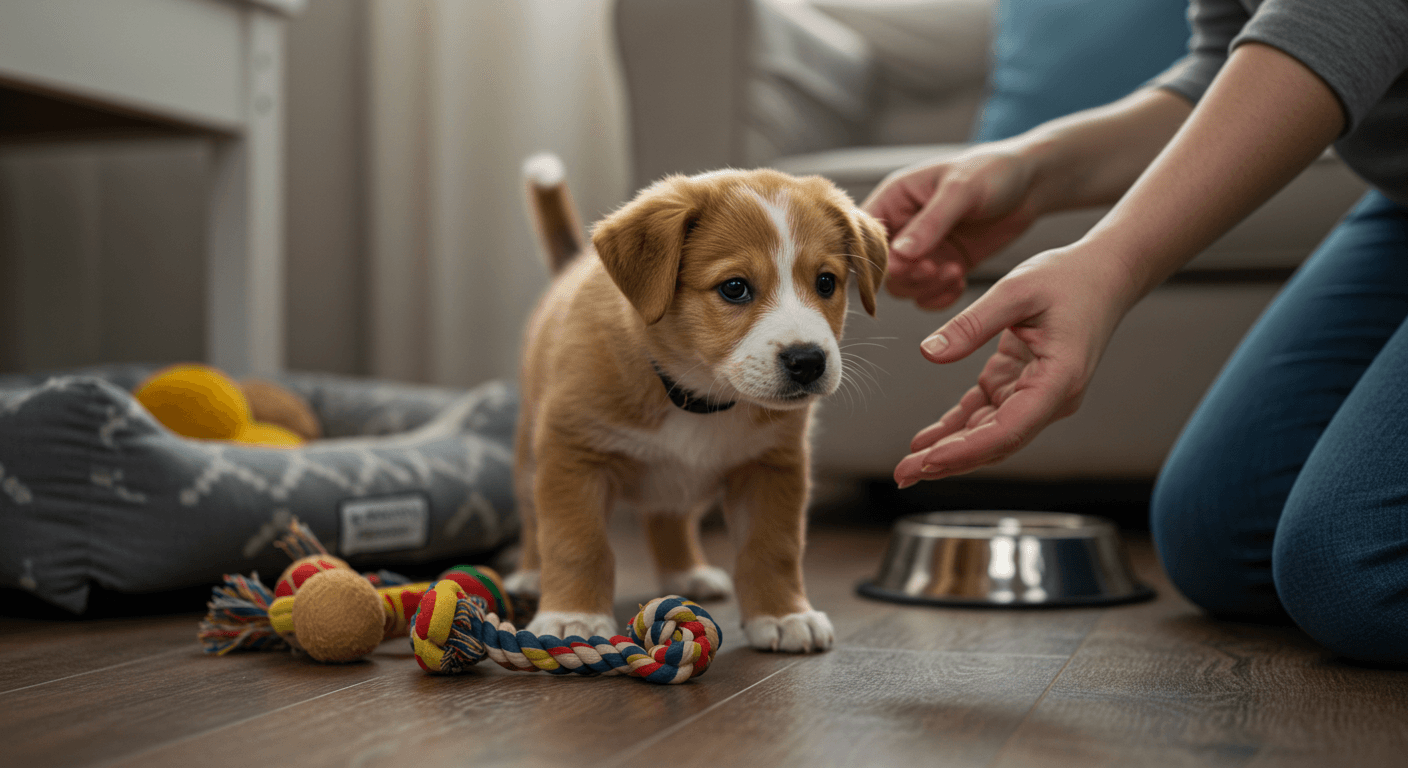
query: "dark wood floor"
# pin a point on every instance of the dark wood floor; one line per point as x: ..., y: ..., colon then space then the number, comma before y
x: 1154, y: 683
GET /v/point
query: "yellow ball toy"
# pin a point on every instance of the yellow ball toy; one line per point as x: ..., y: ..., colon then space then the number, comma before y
x: 200, y: 402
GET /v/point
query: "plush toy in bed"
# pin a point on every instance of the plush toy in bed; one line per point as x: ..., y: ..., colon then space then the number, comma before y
x: 201, y: 402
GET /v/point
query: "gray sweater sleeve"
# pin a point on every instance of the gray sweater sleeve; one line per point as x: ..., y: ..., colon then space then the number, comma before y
x: 1358, y: 47
x: 1215, y: 23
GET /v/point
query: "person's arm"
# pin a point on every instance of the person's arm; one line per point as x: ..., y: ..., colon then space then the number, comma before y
x: 1261, y: 123
x: 1264, y: 119
x: 1092, y: 157
x: 947, y: 216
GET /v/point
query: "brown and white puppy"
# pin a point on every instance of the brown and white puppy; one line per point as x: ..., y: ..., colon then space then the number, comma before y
x: 674, y: 366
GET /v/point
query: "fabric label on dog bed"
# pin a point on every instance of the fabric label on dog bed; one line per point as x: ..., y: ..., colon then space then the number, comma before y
x: 384, y: 524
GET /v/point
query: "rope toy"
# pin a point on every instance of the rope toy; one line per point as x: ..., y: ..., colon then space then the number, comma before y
x: 670, y: 641
x: 321, y: 606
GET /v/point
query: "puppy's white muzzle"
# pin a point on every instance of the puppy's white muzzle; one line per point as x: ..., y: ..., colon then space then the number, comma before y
x: 788, y: 359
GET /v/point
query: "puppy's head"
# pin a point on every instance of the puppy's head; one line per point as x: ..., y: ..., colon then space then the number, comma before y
x: 741, y: 278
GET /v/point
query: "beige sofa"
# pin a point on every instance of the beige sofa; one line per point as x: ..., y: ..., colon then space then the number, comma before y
x: 855, y: 89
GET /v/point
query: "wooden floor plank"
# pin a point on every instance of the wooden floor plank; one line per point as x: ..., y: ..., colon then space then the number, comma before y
x: 121, y: 710
x: 1162, y: 684
x: 488, y: 717
x: 1212, y: 696
x: 863, y: 707
x: 848, y: 707
x: 1025, y: 633
x: 34, y: 651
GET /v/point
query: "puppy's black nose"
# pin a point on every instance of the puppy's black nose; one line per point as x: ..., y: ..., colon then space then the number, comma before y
x: 804, y: 362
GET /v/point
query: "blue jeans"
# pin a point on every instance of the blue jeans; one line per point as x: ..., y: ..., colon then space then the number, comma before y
x: 1287, y: 493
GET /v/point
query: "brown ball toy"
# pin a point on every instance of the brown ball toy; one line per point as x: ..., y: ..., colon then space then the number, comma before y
x: 273, y: 404
x: 338, y: 616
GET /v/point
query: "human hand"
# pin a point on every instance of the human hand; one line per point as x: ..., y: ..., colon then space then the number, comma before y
x: 1056, y: 312
x: 947, y: 216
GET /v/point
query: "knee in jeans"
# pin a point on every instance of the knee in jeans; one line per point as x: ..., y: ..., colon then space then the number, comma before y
x: 1174, y: 520
x: 1198, y: 552
x: 1334, y: 597
x: 1173, y: 529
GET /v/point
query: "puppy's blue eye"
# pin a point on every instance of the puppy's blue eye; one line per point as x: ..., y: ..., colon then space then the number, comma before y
x: 826, y: 285
x: 736, y: 290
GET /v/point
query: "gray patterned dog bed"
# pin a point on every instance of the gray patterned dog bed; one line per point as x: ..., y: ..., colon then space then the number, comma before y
x: 94, y: 490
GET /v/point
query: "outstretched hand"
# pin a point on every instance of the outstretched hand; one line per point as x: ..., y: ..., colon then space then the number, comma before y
x: 1055, y: 312
x: 1180, y: 179
x: 947, y: 216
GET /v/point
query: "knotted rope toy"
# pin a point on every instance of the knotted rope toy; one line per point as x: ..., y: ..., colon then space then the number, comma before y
x: 322, y: 607
x: 670, y: 640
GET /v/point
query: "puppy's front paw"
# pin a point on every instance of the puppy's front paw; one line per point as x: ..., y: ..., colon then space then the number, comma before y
x: 794, y: 633
x: 562, y: 624
x: 702, y: 582
x: 522, y: 583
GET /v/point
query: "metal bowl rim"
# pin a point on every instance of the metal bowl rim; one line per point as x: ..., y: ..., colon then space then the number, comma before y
x: 1138, y: 592
x: 984, y: 525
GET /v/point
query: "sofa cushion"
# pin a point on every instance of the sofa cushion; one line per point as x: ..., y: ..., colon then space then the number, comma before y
x: 1054, y: 57
x: 811, y: 83
x: 924, y: 47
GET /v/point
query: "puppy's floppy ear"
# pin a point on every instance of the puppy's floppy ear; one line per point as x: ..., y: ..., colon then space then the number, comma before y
x: 867, y: 246
x: 641, y: 242
x: 869, y: 254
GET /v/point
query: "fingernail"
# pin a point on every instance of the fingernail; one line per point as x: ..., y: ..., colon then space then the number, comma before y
x: 903, y: 244
x: 906, y: 483
x: 934, y: 344
x: 926, y: 469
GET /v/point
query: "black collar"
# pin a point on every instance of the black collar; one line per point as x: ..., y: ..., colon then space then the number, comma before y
x: 687, y: 400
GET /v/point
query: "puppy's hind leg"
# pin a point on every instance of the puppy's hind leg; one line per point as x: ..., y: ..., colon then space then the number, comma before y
x: 525, y: 578
x: 679, y: 559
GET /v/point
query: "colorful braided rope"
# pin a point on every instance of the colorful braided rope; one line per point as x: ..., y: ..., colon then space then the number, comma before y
x: 300, y: 541
x: 399, y: 604
x: 246, y: 615
x: 239, y: 617
x: 670, y: 641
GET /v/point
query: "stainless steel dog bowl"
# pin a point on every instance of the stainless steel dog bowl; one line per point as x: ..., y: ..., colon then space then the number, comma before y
x: 1005, y: 559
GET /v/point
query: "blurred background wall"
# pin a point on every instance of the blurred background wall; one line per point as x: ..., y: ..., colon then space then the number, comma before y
x: 408, y: 251
x: 460, y: 92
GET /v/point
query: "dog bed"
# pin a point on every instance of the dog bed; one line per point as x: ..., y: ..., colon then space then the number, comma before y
x: 94, y: 491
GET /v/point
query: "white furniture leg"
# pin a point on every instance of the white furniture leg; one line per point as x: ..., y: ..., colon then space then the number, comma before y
x: 245, y: 259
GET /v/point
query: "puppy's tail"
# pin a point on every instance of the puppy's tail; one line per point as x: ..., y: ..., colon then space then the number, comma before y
x: 555, y: 219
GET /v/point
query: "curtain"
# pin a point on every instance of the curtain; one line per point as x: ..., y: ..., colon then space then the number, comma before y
x: 460, y: 92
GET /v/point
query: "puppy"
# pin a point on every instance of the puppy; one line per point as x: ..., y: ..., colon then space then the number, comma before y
x: 673, y: 366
